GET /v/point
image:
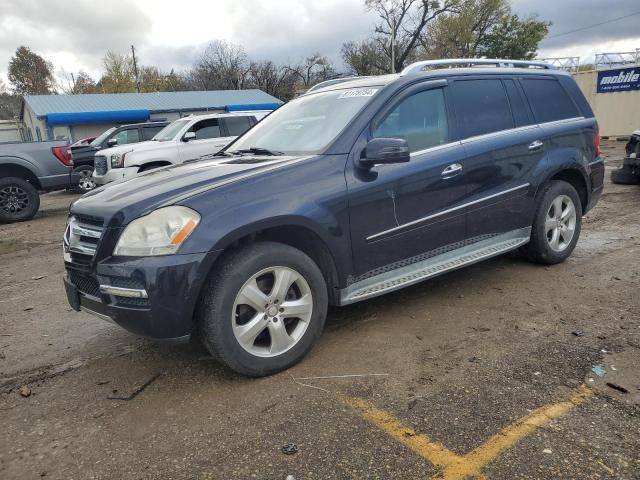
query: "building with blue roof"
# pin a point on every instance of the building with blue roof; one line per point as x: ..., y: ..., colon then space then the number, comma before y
x: 49, y: 117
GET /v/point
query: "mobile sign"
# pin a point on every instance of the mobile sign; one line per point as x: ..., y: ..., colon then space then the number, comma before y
x: 620, y: 80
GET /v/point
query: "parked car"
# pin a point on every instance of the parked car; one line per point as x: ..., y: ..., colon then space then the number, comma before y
x: 629, y: 173
x: 83, y: 155
x: 343, y: 194
x: 83, y: 141
x: 185, y: 139
x: 30, y: 167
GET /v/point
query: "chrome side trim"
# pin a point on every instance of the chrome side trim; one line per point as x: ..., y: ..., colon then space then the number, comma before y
x: 435, y: 149
x: 417, y: 272
x: 124, y: 292
x: 444, y: 212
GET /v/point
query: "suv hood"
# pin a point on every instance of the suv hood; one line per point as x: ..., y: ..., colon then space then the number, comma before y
x: 148, y: 145
x: 120, y: 202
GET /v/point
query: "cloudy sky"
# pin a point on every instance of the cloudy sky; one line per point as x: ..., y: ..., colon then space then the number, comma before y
x: 74, y: 34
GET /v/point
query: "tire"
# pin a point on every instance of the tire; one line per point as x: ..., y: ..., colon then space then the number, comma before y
x: 224, y: 309
x: 19, y: 200
x: 625, y: 176
x: 86, y: 183
x: 553, y: 243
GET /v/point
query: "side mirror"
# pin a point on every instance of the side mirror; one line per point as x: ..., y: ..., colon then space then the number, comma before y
x: 189, y: 136
x: 112, y: 141
x: 385, y: 150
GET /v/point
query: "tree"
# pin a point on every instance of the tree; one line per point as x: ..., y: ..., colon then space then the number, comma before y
x: 30, y: 74
x: 365, y: 58
x: 273, y: 79
x: 514, y: 38
x: 78, y: 83
x: 118, y: 75
x: 313, y: 69
x: 9, y: 104
x: 462, y: 33
x: 223, y: 65
x: 402, y: 22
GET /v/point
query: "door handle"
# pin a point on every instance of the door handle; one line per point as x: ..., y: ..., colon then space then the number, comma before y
x: 452, y: 170
x: 535, y: 145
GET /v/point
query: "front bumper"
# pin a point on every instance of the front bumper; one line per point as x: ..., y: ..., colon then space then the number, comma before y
x: 171, y: 284
x: 115, y: 174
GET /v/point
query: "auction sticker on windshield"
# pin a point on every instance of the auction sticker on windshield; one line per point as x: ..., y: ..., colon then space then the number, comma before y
x: 358, y: 92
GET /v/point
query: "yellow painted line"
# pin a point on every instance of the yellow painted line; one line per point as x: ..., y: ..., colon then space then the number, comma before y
x: 460, y: 467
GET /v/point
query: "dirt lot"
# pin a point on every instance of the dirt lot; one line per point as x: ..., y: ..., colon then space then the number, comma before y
x: 482, y: 373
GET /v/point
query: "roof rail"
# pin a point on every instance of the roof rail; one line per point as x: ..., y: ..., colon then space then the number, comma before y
x: 498, y: 62
x: 332, y: 81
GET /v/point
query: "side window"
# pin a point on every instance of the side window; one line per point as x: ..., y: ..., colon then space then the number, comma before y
x: 209, y: 128
x: 518, y: 107
x: 548, y: 100
x: 149, y: 132
x: 481, y: 106
x: 421, y: 119
x: 236, y: 126
x: 129, y: 135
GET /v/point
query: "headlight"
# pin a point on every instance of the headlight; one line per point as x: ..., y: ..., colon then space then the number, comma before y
x: 159, y: 233
x: 117, y: 159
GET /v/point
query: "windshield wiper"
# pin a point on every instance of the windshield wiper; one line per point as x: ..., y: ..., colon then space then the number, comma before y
x: 258, y: 151
x: 221, y: 153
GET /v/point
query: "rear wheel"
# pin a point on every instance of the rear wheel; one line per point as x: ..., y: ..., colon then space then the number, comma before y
x: 557, y: 223
x: 19, y: 200
x: 625, y: 176
x: 263, y: 308
x: 86, y: 183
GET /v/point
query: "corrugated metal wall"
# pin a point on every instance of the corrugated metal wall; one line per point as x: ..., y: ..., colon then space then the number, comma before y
x: 618, y: 113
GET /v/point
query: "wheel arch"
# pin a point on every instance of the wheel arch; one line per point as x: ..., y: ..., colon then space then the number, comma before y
x: 14, y: 170
x: 577, y: 180
x: 297, y: 234
x: 153, y: 164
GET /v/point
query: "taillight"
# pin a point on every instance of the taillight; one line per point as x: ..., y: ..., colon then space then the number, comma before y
x: 596, y: 142
x: 63, y: 154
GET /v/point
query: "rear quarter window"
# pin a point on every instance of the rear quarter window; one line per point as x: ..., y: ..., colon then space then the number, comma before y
x: 548, y: 100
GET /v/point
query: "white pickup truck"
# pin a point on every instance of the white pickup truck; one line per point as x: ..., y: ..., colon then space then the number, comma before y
x: 184, y: 139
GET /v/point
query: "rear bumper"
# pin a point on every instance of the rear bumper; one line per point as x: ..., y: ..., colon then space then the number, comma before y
x: 172, y: 284
x: 596, y: 177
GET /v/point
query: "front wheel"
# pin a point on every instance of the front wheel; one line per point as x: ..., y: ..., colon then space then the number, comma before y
x: 263, y: 308
x: 556, y: 226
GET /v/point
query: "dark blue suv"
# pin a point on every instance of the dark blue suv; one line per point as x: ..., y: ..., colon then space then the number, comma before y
x: 350, y: 191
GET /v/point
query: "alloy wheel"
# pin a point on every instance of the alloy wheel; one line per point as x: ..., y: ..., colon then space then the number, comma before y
x: 86, y: 182
x: 13, y: 199
x: 272, y: 311
x: 560, y: 224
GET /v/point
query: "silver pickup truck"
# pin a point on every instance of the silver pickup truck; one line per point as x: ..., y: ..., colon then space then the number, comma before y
x: 27, y: 169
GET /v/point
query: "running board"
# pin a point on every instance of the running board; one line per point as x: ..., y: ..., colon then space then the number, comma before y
x: 431, y: 267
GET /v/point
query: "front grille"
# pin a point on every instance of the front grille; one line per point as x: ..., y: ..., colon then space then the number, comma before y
x: 84, y: 283
x: 100, y: 164
x: 81, y: 238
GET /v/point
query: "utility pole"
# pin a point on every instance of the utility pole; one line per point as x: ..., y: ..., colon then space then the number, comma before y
x: 135, y: 68
x: 393, y: 46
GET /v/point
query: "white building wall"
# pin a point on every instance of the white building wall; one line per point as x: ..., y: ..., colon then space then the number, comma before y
x: 617, y: 113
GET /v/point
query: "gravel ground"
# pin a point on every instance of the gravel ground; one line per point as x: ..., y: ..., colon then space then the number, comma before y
x: 464, y: 355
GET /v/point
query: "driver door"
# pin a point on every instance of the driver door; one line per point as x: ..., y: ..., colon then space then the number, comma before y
x: 401, y: 211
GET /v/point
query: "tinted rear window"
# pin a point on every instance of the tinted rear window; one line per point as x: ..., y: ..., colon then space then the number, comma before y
x: 237, y: 125
x: 518, y: 107
x: 548, y: 100
x: 481, y: 106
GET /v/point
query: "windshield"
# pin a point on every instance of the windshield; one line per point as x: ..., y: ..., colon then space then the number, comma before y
x: 307, y: 124
x: 170, y: 131
x: 102, y: 137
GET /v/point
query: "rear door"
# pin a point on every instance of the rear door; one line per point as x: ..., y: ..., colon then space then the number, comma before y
x: 502, y: 147
x: 237, y: 125
x: 209, y: 139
